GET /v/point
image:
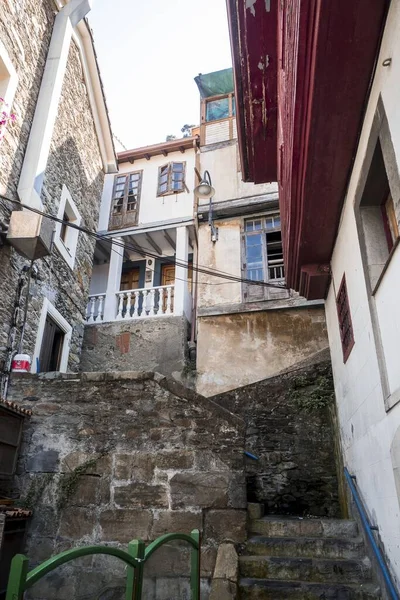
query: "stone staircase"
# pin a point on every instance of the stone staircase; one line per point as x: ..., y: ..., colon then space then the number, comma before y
x: 304, y: 558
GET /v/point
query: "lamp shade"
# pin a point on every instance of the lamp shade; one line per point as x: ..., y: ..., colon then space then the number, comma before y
x: 204, y: 189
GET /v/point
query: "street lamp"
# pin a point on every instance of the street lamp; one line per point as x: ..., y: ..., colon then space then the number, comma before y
x: 205, y: 190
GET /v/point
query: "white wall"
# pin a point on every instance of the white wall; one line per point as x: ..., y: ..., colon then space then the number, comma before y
x: 154, y: 208
x: 223, y: 166
x: 98, y: 283
x: 367, y: 430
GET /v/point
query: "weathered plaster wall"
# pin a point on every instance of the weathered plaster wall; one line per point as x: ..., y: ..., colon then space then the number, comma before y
x: 224, y: 166
x: 234, y: 350
x: 367, y: 430
x: 289, y: 428
x: 171, y: 461
x: 74, y: 161
x: 149, y: 344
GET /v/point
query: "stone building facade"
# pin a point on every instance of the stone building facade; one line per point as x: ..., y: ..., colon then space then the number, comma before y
x: 74, y: 163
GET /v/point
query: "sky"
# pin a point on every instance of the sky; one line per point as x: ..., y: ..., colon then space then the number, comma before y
x: 149, y: 51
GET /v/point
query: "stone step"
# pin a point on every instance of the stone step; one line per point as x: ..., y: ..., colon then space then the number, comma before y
x: 296, y: 526
x: 306, y: 547
x: 261, y: 589
x: 323, y: 570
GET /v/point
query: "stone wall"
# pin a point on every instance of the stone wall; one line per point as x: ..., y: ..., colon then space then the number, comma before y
x: 289, y: 428
x: 167, y: 460
x: 150, y: 344
x: 74, y: 161
x: 240, y: 348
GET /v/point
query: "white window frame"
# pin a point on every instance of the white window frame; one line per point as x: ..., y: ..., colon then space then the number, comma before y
x: 49, y: 309
x: 8, y: 85
x: 68, y: 248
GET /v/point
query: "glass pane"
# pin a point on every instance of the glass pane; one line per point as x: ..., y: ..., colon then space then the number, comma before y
x: 164, y: 170
x: 135, y: 176
x: 253, y: 225
x: 163, y: 188
x: 117, y: 208
x: 177, y: 176
x: 217, y: 109
x: 177, y: 167
x: 255, y: 274
x: 233, y: 106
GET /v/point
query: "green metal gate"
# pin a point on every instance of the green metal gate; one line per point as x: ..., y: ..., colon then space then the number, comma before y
x: 20, y: 579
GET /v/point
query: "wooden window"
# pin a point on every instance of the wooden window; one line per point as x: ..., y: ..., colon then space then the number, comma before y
x: 390, y: 222
x: 125, y: 200
x: 221, y: 107
x: 171, y: 178
x: 344, y: 316
x: 64, y: 227
x: 263, y: 255
x: 10, y: 436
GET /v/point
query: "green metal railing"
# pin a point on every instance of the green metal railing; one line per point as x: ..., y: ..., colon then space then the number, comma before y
x: 20, y: 579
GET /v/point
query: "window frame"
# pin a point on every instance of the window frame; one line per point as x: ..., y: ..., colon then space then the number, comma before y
x: 11, y: 82
x: 66, y: 238
x: 125, y: 197
x: 49, y: 309
x: 343, y: 311
x: 265, y: 293
x: 170, y: 172
x: 3, y: 474
x: 231, y: 101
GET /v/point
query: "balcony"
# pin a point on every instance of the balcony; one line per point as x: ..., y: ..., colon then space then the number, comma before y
x: 134, y: 304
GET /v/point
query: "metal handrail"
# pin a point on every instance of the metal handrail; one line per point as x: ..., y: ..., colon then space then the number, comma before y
x: 368, y: 528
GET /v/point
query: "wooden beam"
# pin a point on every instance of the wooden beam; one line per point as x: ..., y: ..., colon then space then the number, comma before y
x: 182, y: 149
x: 135, y: 246
x: 147, y: 156
x: 165, y: 153
x: 169, y: 240
x: 153, y: 244
x: 131, y: 160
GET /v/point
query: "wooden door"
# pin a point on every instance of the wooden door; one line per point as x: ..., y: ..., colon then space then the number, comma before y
x: 130, y: 279
x: 168, y: 278
x: 52, y: 343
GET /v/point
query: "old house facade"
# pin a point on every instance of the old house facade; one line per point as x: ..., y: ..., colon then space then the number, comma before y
x: 246, y: 331
x: 139, y: 314
x: 53, y: 159
x: 338, y: 171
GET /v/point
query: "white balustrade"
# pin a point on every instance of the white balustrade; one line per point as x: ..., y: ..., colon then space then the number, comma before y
x: 146, y: 302
x: 95, y: 308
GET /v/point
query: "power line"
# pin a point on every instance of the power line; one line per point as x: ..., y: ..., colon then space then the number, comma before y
x: 180, y: 263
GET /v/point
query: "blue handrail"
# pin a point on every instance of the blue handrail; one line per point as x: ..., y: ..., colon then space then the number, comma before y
x: 368, y: 530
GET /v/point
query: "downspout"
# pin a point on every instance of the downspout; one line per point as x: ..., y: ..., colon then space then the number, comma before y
x: 38, y: 147
x: 193, y: 330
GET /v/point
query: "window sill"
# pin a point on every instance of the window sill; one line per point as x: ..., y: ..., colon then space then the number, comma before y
x: 170, y: 193
x: 65, y: 253
x: 386, y: 265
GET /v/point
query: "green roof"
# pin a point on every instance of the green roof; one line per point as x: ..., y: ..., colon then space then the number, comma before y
x: 215, y: 84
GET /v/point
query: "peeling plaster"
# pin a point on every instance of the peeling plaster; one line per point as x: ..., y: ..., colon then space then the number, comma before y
x: 250, y: 4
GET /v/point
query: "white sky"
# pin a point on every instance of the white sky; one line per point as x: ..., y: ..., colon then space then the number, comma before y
x: 149, y: 52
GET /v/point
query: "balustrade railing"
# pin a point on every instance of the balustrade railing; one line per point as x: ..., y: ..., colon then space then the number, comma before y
x: 95, y: 308
x: 146, y: 302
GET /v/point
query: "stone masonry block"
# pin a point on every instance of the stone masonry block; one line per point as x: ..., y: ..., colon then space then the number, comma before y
x: 227, y: 565
x: 222, y: 589
x: 141, y: 495
x: 170, y: 560
x: 77, y: 523
x: 125, y: 525
x: 91, y: 490
x: 44, y: 461
x: 206, y: 490
x: 77, y: 459
x: 139, y: 467
x: 177, y: 459
x: 175, y: 521
x: 225, y: 525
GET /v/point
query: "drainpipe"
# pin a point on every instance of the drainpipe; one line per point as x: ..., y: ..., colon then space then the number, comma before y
x: 38, y: 148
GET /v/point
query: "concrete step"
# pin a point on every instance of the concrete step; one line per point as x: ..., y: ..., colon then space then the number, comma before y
x: 295, y: 526
x: 306, y: 547
x: 323, y: 570
x: 261, y: 589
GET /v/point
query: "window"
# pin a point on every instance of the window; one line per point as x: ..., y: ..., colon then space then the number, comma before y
x: 263, y: 254
x: 66, y: 238
x: 125, y: 200
x: 52, y: 341
x: 171, y: 179
x: 220, y: 108
x: 8, y: 79
x: 10, y: 436
x: 379, y: 222
x: 345, y: 324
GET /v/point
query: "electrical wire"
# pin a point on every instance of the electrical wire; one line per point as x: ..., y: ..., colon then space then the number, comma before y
x: 134, y: 248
